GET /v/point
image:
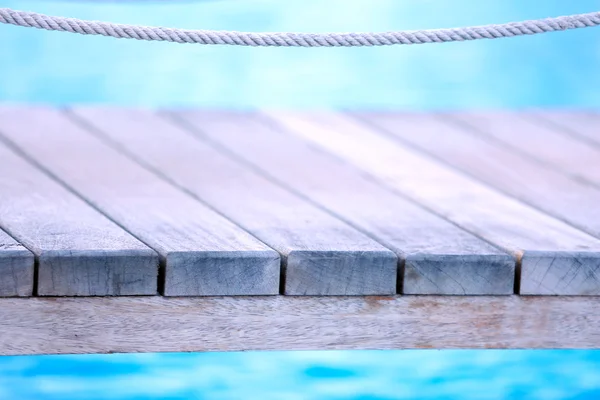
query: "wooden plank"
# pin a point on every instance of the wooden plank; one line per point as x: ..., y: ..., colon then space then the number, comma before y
x: 555, y: 257
x: 438, y: 257
x: 159, y: 324
x: 16, y: 267
x: 550, y: 146
x: 541, y: 187
x: 322, y: 255
x: 203, y: 253
x: 580, y: 124
x: 80, y: 252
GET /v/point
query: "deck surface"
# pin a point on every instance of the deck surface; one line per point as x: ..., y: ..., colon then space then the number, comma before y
x: 472, y: 229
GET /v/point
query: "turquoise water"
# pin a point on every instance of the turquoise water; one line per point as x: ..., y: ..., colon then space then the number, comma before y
x: 364, y: 375
x: 57, y: 68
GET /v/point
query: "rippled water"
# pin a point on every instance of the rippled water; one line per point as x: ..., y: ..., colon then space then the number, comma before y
x: 58, y: 68
x: 372, y: 375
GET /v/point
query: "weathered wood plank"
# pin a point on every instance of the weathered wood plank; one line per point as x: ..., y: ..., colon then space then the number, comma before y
x: 556, y: 193
x: 585, y: 125
x: 321, y: 254
x: 203, y: 253
x: 438, y: 257
x: 80, y: 252
x: 159, y: 324
x: 550, y: 146
x: 555, y: 257
x: 16, y: 266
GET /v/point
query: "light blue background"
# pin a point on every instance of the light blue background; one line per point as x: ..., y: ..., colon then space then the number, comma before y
x: 551, y: 69
x: 548, y: 70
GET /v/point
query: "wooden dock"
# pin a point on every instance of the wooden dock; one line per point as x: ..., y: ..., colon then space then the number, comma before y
x: 129, y: 230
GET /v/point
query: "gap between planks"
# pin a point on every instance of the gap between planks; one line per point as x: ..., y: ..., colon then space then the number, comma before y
x: 535, y: 293
x: 436, y: 256
x: 202, y: 253
x: 562, y: 261
x: 320, y: 254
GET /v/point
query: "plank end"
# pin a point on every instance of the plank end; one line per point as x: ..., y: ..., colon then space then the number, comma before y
x: 560, y: 273
x: 222, y: 273
x: 459, y: 274
x: 16, y: 271
x: 341, y: 273
x: 97, y: 273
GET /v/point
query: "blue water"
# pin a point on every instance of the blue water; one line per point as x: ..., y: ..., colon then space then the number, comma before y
x: 548, y: 70
x: 364, y: 375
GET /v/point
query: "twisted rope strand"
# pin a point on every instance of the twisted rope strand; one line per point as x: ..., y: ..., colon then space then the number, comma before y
x: 289, y: 39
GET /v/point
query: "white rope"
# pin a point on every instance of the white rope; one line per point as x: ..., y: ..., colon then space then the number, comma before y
x: 288, y: 39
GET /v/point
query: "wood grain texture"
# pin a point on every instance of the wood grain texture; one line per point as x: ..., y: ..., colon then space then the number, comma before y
x: 556, y: 193
x: 581, y: 124
x: 529, y: 234
x: 322, y: 255
x: 16, y: 267
x: 526, y: 136
x: 203, y: 253
x: 80, y: 252
x: 438, y: 257
x: 159, y: 324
